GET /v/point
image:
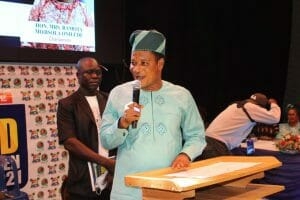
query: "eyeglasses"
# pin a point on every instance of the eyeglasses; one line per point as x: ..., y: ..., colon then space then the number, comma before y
x: 98, y: 72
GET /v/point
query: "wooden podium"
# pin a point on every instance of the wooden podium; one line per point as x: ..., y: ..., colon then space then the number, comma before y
x: 224, y: 177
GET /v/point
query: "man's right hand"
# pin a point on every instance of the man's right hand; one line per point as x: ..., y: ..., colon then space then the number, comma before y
x: 110, y: 165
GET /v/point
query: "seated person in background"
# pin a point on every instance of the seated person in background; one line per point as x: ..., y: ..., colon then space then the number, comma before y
x: 292, y: 125
x: 234, y: 124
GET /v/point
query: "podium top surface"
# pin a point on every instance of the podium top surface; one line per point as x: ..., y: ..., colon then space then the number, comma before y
x: 203, y: 173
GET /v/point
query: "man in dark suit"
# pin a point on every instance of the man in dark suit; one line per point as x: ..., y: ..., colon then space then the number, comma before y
x: 78, y: 122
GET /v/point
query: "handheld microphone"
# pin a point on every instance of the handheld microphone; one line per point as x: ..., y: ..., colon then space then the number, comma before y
x: 136, y: 96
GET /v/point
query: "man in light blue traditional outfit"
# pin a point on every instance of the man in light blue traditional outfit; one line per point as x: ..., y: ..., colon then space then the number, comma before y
x: 170, y: 130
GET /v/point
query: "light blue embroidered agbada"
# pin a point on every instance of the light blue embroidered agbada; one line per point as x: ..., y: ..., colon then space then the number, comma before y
x: 169, y: 117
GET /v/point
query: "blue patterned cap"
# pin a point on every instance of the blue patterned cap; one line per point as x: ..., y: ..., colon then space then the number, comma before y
x: 148, y: 40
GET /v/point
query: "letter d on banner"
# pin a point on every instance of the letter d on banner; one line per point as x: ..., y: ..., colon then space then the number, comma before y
x: 8, y: 136
x: 13, y: 138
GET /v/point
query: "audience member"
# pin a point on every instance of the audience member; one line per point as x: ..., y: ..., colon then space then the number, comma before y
x: 78, y: 123
x: 292, y: 125
x: 234, y: 124
x: 170, y: 130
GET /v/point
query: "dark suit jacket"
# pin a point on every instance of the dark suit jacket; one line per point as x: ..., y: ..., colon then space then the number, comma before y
x: 75, y: 119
